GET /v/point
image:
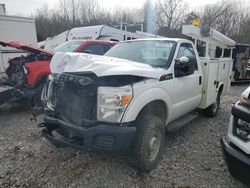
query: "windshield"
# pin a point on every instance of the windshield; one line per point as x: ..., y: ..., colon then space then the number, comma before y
x: 68, y: 46
x: 154, y: 53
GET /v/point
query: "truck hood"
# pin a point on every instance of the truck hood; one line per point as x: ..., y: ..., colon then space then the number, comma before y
x: 21, y: 46
x: 101, y: 65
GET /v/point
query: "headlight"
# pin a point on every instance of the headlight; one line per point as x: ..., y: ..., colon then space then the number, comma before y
x: 242, y: 129
x: 112, y: 103
x: 244, y: 101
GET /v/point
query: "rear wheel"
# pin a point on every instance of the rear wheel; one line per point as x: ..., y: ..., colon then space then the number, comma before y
x: 212, y: 110
x: 147, y: 145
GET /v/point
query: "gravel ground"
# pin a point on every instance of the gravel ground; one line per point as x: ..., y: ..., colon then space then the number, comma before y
x: 192, y: 156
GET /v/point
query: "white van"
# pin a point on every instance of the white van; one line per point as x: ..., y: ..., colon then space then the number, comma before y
x: 97, y: 32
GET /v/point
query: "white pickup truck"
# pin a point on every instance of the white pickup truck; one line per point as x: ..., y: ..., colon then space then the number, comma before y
x: 236, y: 147
x: 125, y: 100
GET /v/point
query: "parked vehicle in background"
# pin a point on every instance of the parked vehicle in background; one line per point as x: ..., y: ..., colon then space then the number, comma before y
x: 26, y: 75
x: 241, y: 67
x: 236, y: 147
x: 97, y: 47
x: 125, y: 100
x: 96, y: 32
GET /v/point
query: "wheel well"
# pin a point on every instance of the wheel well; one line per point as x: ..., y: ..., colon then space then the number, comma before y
x: 157, y: 108
x: 221, y: 89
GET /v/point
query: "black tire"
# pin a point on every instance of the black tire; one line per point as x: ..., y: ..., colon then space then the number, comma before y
x: 150, y: 135
x: 212, y: 110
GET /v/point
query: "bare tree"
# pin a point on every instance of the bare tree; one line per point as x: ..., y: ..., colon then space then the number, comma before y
x: 228, y: 17
x: 89, y: 10
x: 70, y: 11
x: 132, y: 15
x: 170, y: 13
x: 42, y: 22
x: 243, y: 17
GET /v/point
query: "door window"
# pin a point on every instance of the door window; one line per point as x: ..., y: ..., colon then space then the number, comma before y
x: 201, y: 48
x: 97, y: 49
x: 187, y: 50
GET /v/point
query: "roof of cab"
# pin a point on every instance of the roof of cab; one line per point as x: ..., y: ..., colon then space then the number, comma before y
x: 162, y: 39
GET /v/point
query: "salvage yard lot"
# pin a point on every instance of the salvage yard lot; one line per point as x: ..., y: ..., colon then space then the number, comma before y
x: 192, y: 156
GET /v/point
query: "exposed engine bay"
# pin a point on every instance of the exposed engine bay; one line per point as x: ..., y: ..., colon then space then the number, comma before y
x: 17, y: 73
x: 25, y: 75
x: 82, y: 90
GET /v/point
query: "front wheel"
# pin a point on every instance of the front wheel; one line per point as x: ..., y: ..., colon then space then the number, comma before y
x: 147, y: 145
x: 212, y: 110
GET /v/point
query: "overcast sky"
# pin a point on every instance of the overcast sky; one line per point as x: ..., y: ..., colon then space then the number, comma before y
x: 26, y: 7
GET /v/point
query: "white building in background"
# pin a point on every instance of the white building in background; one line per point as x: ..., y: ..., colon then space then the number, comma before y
x: 15, y: 28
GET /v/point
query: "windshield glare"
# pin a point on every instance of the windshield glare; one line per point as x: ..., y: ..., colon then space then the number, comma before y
x: 68, y: 46
x: 154, y: 53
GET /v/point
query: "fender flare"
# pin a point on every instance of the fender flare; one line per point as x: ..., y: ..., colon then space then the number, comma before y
x: 221, y: 84
x: 140, y: 101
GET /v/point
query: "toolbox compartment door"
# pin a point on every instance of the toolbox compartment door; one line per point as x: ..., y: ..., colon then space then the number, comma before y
x: 210, y: 74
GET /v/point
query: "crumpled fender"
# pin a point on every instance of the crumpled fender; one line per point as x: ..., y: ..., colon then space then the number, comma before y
x: 36, y: 70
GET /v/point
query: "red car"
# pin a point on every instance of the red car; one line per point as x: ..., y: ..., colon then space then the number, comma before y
x: 26, y: 75
x: 98, y: 47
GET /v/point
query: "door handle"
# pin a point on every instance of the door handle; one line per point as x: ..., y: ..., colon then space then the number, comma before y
x: 200, y: 80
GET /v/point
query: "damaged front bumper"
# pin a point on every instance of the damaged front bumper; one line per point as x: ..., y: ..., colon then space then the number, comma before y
x: 237, y: 161
x: 101, y: 137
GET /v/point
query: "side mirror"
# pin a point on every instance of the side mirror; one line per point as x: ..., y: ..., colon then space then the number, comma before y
x: 183, y: 60
x: 183, y: 67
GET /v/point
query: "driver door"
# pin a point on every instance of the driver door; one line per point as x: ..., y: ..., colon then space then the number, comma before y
x: 187, y: 88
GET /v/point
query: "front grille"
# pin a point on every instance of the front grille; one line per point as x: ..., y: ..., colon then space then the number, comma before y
x: 76, y: 100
